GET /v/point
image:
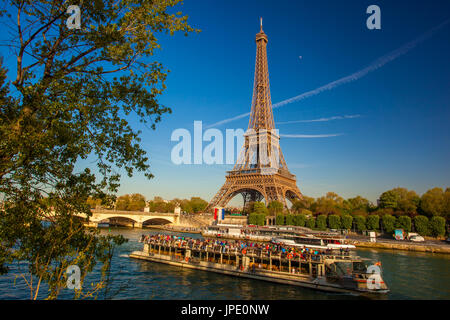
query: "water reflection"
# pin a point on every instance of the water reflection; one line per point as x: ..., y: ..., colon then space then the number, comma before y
x: 409, y: 275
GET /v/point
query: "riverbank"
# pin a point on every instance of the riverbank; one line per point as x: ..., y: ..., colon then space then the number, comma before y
x: 430, y: 248
x: 175, y: 229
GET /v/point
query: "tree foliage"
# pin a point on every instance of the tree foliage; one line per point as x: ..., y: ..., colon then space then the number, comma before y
x: 74, y: 93
x: 259, y: 214
x: 198, y: 204
x: 389, y: 223
x: 433, y: 203
x: 347, y: 221
x: 321, y: 222
x: 280, y: 220
x: 357, y: 203
x: 398, y: 202
x: 400, y: 199
x: 334, y: 221
x: 373, y: 222
x: 304, y: 203
x: 256, y: 219
x: 437, y: 226
x: 300, y: 220
x: 275, y: 207
x: 260, y: 207
x: 330, y: 204
x: 422, y: 225
x: 290, y: 220
x: 310, y: 223
x: 360, y: 222
x: 131, y: 202
x: 404, y: 222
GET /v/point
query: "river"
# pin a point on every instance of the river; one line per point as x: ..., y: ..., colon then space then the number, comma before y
x: 409, y: 276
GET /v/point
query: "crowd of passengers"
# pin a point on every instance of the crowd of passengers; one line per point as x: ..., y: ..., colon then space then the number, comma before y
x: 233, y: 246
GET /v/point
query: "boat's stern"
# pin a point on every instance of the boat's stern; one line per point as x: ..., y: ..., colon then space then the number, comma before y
x: 371, y: 280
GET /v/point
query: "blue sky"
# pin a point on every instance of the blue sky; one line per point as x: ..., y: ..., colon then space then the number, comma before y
x: 399, y: 134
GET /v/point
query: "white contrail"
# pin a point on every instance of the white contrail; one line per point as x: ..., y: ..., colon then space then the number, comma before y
x: 354, y: 76
x: 228, y: 120
x: 310, y: 135
x: 321, y: 119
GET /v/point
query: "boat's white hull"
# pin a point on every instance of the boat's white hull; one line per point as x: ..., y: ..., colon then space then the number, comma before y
x: 319, y: 283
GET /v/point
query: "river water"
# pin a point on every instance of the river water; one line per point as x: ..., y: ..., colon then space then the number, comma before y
x: 408, y: 275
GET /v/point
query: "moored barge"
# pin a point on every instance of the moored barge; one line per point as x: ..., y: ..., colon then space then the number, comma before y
x: 279, y: 264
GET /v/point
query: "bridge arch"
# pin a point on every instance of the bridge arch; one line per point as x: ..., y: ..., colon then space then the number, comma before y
x: 156, y: 221
x: 119, y: 220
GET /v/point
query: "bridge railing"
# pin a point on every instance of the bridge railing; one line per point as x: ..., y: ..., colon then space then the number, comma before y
x: 133, y: 212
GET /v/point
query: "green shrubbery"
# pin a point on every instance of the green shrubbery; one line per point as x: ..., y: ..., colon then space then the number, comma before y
x: 360, y: 222
x: 257, y: 219
x: 437, y: 226
x: 347, y: 221
x: 321, y: 222
x: 280, y: 219
x: 373, y: 222
x: 311, y: 223
x: 389, y: 222
x: 422, y: 225
x: 252, y: 218
x: 334, y: 221
x: 300, y: 220
x: 404, y: 222
x: 289, y: 220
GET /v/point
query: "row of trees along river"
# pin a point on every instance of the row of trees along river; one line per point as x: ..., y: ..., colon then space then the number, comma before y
x: 397, y: 208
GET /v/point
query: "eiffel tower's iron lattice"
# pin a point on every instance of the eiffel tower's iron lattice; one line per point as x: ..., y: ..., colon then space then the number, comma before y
x: 260, y: 171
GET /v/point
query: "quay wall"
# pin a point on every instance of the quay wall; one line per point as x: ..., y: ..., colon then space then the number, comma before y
x: 196, y: 221
x: 403, y: 246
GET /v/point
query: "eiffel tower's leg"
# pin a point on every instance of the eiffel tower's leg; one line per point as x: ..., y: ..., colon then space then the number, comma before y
x: 218, y: 198
x: 274, y: 194
x: 293, y: 194
x: 252, y: 196
x: 282, y: 198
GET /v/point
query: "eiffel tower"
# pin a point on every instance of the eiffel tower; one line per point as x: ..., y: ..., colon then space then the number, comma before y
x: 260, y: 171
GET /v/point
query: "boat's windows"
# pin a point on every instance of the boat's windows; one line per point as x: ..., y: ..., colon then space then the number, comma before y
x: 359, y: 266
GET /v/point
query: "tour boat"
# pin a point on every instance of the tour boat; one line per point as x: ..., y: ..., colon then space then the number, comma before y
x: 327, y: 272
x: 290, y: 236
x: 236, y: 232
x: 315, y: 242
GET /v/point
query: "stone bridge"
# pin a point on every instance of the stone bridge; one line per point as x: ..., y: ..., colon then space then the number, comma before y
x: 135, y: 219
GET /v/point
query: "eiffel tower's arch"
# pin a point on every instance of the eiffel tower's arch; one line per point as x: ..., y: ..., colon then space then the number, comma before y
x: 249, y: 194
x: 292, y: 195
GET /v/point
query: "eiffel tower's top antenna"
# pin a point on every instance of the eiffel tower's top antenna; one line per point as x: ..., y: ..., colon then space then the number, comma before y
x: 261, y: 115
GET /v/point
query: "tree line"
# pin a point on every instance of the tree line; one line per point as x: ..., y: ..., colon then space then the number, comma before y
x: 137, y: 202
x: 396, y: 208
x: 398, y: 202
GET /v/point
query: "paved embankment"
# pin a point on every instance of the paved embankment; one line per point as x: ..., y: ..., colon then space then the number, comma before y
x: 432, y: 248
x: 175, y: 228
